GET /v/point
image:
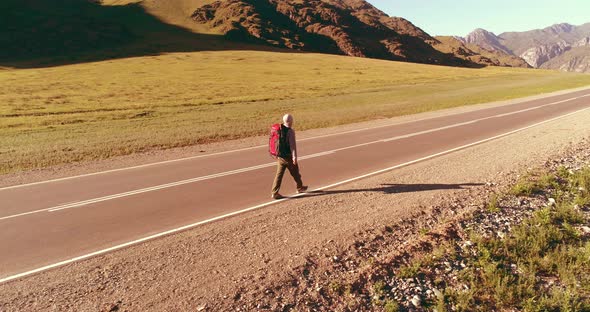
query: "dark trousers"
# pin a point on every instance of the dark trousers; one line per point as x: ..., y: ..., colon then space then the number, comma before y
x: 282, y: 165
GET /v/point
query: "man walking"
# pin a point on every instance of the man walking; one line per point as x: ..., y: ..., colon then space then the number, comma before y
x: 287, y: 158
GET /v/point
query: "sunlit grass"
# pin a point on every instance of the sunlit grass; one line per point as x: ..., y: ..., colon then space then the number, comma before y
x: 98, y: 110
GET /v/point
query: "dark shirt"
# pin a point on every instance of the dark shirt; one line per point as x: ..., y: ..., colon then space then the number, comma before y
x: 287, y: 145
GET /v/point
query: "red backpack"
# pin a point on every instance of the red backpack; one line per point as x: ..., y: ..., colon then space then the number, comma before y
x: 274, y: 139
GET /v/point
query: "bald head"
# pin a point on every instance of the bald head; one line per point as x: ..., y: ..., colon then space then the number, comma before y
x: 288, y: 120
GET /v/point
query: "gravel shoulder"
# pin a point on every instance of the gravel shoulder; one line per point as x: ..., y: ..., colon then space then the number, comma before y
x: 272, y: 258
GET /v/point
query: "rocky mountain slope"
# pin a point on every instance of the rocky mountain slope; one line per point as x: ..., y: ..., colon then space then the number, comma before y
x: 486, y: 40
x: 71, y: 31
x: 577, y: 59
x: 477, y: 54
x: 519, y: 42
x: 561, y: 46
x: 349, y: 27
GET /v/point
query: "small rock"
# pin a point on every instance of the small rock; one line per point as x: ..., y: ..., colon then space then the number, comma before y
x: 551, y: 202
x: 585, y: 229
x: 202, y: 307
x: 416, y: 301
x: 438, y: 293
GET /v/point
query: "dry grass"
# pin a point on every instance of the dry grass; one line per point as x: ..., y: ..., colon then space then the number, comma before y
x: 97, y: 110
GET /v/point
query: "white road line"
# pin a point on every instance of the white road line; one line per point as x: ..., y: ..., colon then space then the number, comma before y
x: 316, y: 155
x: 240, y: 150
x: 447, y: 151
x: 237, y: 171
x: 186, y: 227
x: 188, y: 158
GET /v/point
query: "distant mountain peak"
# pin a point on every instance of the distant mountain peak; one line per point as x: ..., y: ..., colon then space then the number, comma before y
x: 480, y: 34
x: 482, y: 31
x: 485, y: 39
x: 561, y: 28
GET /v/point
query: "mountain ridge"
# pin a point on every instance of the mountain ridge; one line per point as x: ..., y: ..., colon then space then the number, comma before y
x: 72, y: 31
x: 348, y: 27
x: 545, y: 48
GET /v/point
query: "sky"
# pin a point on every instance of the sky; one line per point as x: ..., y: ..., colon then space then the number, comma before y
x: 459, y: 17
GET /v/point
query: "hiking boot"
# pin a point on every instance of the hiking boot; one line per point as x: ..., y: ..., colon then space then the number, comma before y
x: 302, y: 189
x: 277, y: 196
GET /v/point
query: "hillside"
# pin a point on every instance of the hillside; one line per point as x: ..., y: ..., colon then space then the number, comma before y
x: 576, y: 60
x: 477, y: 54
x: 45, y: 33
x: 42, y: 33
x: 349, y: 27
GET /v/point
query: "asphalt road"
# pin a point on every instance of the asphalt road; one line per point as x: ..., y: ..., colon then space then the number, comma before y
x: 52, y: 223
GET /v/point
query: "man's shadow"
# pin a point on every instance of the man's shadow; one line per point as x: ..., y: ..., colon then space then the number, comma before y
x: 398, y: 188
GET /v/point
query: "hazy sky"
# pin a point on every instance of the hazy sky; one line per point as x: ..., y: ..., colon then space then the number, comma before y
x: 459, y: 17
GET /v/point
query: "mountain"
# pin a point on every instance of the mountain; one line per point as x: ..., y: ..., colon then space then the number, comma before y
x: 540, y: 54
x: 349, y: 27
x: 39, y: 33
x: 477, y: 54
x: 486, y: 40
x: 519, y: 42
x: 560, y: 46
x: 576, y: 59
x: 70, y: 31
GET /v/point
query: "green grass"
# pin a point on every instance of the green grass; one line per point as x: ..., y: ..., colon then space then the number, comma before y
x: 493, y: 205
x: 410, y: 270
x: 532, y: 184
x: 544, y: 247
x: 391, y: 306
x: 336, y: 288
x: 92, y: 111
x: 543, y: 264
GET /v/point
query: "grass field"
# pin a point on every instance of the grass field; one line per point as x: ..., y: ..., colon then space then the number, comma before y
x: 91, y: 111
